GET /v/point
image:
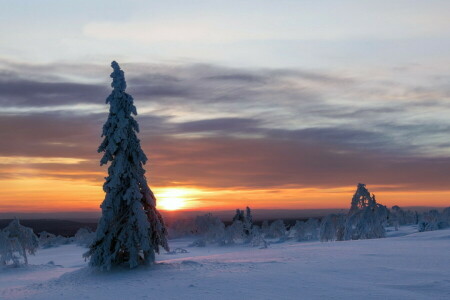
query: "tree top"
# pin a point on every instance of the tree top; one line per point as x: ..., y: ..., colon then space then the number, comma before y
x: 118, y: 77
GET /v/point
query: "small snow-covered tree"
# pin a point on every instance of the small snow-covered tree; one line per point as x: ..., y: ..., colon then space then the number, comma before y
x: 131, y: 229
x: 299, y: 231
x: 8, y: 249
x: 233, y: 233
x: 248, y: 224
x: 399, y: 217
x: 433, y: 220
x: 312, y: 229
x: 19, y: 239
x: 445, y: 216
x: 265, y: 228
x: 84, y: 236
x: 239, y: 215
x: 257, y: 238
x: 246, y: 218
x: 209, y: 227
x: 332, y: 228
x: 277, y: 229
x: 366, y: 218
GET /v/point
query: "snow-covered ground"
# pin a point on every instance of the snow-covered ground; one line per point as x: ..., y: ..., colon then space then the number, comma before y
x: 406, y: 265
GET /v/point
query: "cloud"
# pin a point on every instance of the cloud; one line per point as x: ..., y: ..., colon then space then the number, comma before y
x: 206, y: 125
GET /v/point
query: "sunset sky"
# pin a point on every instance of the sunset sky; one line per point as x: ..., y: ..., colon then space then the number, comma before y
x: 271, y: 104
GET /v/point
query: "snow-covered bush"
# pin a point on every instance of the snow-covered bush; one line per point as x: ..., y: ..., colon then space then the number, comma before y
x: 367, y: 223
x: 56, y: 241
x: 306, y: 231
x: 233, y: 233
x: 84, y: 237
x: 445, y: 216
x: 44, y: 236
x: 332, y: 228
x: 211, y: 228
x: 49, y: 240
x: 299, y: 230
x: 257, y: 238
x: 17, y: 240
x: 131, y: 229
x: 399, y: 217
x: 265, y: 228
x: 8, y: 249
x: 277, y: 230
x: 433, y: 220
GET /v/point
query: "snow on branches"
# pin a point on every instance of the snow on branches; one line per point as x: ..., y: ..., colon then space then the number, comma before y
x: 131, y: 230
x: 16, y: 241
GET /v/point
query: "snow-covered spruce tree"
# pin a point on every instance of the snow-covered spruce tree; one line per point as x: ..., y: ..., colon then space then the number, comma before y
x: 20, y: 239
x: 131, y: 229
x: 239, y: 216
x: 246, y: 219
x: 366, y: 218
x: 248, y: 224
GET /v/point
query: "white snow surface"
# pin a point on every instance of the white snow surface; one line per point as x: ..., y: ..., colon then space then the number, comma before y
x: 405, y: 265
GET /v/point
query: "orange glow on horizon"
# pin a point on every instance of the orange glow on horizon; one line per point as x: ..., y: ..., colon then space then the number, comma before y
x: 45, y: 195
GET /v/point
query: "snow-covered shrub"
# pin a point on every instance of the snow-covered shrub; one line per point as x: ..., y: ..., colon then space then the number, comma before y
x: 233, y: 233
x: 312, y: 229
x: 399, y: 217
x: 367, y: 223
x: 131, y: 229
x: 211, y: 228
x: 84, y: 237
x: 257, y: 238
x: 277, y: 230
x: 332, y: 228
x: 44, y: 235
x: 178, y: 251
x: 265, y: 228
x: 445, y: 216
x: 19, y: 240
x: 49, y: 240
x: 433, y: 220
x: 299, y: 230
x: 58, y: 241
x: 8, y: 249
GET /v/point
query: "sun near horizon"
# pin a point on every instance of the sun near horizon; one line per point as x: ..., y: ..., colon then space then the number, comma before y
x: 273, y: 110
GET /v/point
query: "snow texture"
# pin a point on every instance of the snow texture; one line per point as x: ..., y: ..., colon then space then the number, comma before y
x: 409, y: 265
